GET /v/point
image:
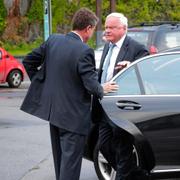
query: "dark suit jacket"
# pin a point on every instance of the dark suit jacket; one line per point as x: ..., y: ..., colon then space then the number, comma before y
x: 63, y: 77
x: 130, y: 51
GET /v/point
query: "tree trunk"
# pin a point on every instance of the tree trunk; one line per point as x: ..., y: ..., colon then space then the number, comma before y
x: 17, y: 27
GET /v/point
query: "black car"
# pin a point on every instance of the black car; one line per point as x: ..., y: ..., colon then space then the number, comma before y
x: 147, y: 105
x: 157, y: 36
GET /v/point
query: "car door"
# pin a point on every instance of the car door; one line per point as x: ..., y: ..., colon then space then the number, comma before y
x: 149, y: 97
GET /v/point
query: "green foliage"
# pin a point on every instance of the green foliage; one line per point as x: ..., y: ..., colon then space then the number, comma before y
x: 3, y: 14
x: 2, y: 24
x: 63, y: 11
x: 36, y: 11
x: 59, y: 17
x: 137, y: 11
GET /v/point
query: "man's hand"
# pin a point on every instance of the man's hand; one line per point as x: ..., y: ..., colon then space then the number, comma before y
x: 110, y: 87
x: 122, y: 64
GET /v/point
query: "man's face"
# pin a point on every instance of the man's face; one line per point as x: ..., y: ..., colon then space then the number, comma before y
x: 114, y: 30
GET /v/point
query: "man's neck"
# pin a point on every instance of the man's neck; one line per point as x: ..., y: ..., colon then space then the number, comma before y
x: 79, y: 34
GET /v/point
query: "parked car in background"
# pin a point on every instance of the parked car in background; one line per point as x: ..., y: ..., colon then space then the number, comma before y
x: 11, y: 70
x: 157, y: 37
x: 147, y: 106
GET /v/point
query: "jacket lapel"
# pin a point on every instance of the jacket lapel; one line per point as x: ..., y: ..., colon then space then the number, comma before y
x: 122, y: 53
x: 123, y: 50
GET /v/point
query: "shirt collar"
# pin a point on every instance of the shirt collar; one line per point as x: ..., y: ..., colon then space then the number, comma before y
x: 120, y: 42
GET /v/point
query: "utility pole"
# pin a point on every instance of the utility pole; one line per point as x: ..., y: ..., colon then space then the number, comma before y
x: 47, y: 19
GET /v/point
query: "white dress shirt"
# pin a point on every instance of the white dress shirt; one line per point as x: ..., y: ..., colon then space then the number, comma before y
x: 115, y: 53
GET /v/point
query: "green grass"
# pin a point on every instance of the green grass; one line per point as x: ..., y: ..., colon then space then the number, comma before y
x: 19, y: 52
x: 22, y: 48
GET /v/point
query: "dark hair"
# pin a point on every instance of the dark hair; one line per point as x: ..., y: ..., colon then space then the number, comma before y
x: 83, y: 18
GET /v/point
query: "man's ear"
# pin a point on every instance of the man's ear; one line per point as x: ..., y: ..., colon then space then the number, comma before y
x: 88, y: 27
x: 125, y: 28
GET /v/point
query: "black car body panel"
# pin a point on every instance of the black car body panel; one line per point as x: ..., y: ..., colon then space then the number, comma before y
x: 147, y: 106
x: 157, y: 118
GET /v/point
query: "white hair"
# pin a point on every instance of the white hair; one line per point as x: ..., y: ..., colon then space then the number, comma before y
x: 121, y: 17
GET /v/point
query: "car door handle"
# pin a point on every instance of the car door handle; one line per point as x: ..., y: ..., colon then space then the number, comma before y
x: 129, y: 105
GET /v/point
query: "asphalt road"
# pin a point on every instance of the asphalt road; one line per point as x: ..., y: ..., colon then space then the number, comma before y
x: 25, y: 150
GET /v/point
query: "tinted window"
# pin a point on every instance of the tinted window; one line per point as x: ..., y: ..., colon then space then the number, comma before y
x: 141, y: 37
x: 161, y: 74
x: 128, y: 83
x: 0, y: 55
x: 167, y: 40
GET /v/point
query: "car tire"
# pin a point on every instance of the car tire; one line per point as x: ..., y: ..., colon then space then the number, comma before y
x: 103, y: 170
x: 14, y: 79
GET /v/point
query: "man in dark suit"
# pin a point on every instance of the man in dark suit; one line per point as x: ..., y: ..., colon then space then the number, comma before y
x: 120, y: 50
x: 63, y: 78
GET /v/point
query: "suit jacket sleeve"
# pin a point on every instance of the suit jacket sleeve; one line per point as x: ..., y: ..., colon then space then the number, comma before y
x: 88, y: 73
x: 141, y: 51
x: 33, y: 61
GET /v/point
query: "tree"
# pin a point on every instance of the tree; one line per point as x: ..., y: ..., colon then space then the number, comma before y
x: 28, y: 26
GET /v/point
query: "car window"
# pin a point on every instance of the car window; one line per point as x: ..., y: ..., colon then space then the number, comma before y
x: 0, y: 55
x: 128, y: 83
x: 161, y: 74
x: 141, y: 36
x: 168, y: 40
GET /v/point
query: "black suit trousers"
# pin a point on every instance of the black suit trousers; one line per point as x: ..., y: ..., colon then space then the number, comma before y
x: 67, y: 149
x: 116, y: 145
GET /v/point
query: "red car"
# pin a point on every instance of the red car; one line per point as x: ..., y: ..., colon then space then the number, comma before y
x: 11, y: 70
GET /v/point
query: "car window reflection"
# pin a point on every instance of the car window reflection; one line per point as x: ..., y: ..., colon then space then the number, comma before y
x: 128, y: 83
x: 161, y: 75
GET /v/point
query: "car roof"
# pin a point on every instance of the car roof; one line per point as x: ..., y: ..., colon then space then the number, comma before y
x: 154, y: 26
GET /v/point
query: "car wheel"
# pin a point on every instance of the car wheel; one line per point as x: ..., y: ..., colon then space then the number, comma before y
x: 14, y: 79
x: 103, y: 170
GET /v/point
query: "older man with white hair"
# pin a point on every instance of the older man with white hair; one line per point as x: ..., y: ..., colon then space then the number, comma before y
x: 120, y: 50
